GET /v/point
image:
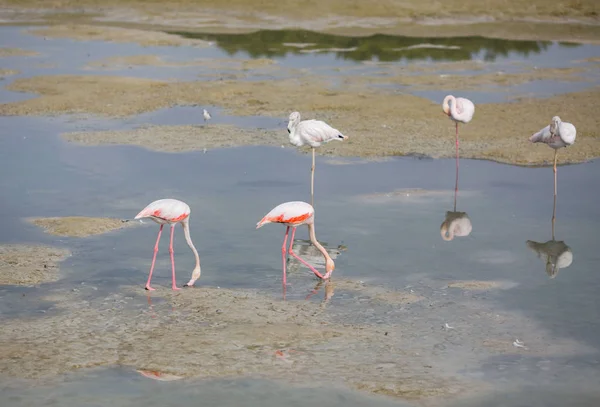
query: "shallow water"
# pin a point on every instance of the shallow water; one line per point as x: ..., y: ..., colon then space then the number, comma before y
x: 386, y: 238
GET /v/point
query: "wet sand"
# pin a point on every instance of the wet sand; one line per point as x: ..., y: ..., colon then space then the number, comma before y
x: 370, y: 117
x: 16, y: 52
x: 474, y: 285
x: 82, y: 32
x: 237, y: 333
x: 30, y: 264
x: 480, y: 82
x: 174, y: 139
x: 8, y: 72
x: 79, y: 226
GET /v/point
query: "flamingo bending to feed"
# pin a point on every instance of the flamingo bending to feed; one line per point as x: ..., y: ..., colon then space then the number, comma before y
x: 313, y: 133
x: 171, y: 212
x: 294, y: 214
x: 458, y: 110
x: 556, y: 135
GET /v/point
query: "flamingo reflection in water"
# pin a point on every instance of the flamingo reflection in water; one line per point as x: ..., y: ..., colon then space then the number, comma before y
x: 556, y: 254
x: 314, y: 257
x: 455, y: 223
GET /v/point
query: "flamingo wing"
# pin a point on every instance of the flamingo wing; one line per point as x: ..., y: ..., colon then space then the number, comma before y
x: 465, y: 109
x: 315, y: 132
x: 293, y: 213
x: 567, y: 133
x: 171, y: 210
x: 542, y: 136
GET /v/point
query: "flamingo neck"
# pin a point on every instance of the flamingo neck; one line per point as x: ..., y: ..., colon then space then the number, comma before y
x: 446, y: 233
x: 313, y: 239
x: 188, y: 239
x: 452, y: 104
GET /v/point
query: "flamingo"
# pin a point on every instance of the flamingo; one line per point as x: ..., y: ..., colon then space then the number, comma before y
x: 171, y: 211
x: 313, y: 133
x: 458, y: 110
x: 294, y: 214
x: 206, y: 115
x: 556, y: 135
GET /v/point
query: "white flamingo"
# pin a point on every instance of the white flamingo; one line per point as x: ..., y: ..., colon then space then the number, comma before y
x: 171, y: 212
x: 313, y: 133
x: 206, y: 115
x: 556, y: 135
x: 458, y: 110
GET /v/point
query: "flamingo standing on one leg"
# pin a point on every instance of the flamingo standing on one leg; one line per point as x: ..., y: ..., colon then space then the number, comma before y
x: 459, y: 110
x: 313, y: 133
x: 171, y: 211
x: 206, y: 115
x: 556, y: 135
x: 294, y: 214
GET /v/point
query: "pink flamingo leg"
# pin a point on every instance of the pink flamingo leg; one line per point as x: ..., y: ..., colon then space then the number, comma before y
x: 302, y: 261
x: 154, y: 259
x: 284, y: 258
x: 174, y: 286
x: 457, y: 146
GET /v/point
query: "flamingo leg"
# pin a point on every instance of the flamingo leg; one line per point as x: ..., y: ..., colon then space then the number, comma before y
x: 154, y: 260
x: 174, y: 286
x: 456, y: 145
x: 312, y: 179
x: 284, y: 258
x: 555, y: 192
x: 305, y: 263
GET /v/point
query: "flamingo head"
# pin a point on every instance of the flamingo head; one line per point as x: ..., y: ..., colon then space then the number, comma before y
x: 341, y: 137
x: 195, y: 276
x: 554, y: 124
x: 294, y: 117
x: 329, y: 266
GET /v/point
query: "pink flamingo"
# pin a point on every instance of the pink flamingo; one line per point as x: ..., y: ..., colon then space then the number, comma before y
x: 313, y: 133
x: 556, y: 135
x: 294, y: 214
x: 171, y: 211
x: 458, y: 110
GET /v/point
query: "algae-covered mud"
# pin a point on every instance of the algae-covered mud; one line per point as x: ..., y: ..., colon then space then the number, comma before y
x: 239, y: 333
x: 369, y: 116
x: 115, y: 34
x: 16, y: 52
x: 79, y: 226
x: 180, y: 138
x: 23, y: 264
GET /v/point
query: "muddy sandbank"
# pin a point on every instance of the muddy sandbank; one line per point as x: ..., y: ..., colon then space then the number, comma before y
x: 404, y: 351
x: 146, y: 38
x: 23, y: 264
x: 369, y: 116
x: 79, y: 226
x: 16, y: 52
x: 8, y: 72
x: 232, y: 64
x: 476, y: 285
x: 174, y: 139
x: 461, y: 82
